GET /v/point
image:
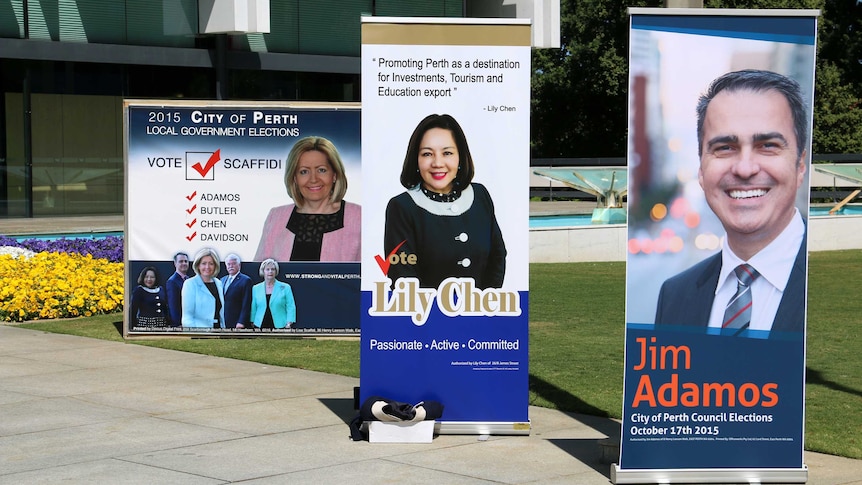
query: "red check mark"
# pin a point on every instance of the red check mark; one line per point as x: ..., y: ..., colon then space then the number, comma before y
x: 190, y: 224
x: 192, y: 209
x: 192, y: 236
x: 190, y: 197
x: 384, y: 263
x: 214, y: 158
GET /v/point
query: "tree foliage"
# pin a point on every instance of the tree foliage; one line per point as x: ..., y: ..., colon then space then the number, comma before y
x: 838, y: 83
x: 837, y: 113
x: 579, y: 102
x: 579, y: 90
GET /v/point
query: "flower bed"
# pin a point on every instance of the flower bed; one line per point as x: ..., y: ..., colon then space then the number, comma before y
x: 61, y: 278
x: 110, y: 248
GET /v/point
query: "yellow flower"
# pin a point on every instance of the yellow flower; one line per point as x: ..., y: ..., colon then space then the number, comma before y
x: 57, y: 285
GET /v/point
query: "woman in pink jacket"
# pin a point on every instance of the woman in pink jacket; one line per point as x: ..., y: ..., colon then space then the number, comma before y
x: 320, y: 225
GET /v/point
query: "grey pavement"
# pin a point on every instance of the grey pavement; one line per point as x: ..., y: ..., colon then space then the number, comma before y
x: 61, y: 225
x: 81, y: 410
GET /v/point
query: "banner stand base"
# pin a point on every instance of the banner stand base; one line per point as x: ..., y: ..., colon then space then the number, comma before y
x: 710, y: 475
x: 481, y: 427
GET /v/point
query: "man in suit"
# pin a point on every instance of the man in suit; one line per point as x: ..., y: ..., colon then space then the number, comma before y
x: 237, y: 294
x: 752, y: 132
x: 174, y: 288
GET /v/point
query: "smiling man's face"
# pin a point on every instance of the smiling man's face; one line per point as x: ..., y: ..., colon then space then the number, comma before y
x: 749, y: 166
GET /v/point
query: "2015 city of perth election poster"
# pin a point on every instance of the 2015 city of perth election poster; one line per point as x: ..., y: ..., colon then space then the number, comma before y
x: 212, y: 175
x: 445, y: 137
x: 719, y: 152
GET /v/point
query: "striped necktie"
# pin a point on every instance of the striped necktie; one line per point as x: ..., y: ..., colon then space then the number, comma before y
x: 738, y: 311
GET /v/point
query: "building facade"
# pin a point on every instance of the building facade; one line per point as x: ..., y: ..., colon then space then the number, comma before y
x: 67, y: 65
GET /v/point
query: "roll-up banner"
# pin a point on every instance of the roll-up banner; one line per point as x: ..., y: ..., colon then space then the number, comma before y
x: 720, y: 117
x: 445, y: 137
x: 250, y: 187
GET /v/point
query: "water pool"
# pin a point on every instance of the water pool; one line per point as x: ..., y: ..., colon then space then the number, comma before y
x: 565, y: 220
x: 80, y: 235
x: 580, y: 220
x: 847, y: 210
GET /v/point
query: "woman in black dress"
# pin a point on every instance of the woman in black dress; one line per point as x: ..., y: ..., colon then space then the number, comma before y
x: 444, y: 225
x: 149, y: 305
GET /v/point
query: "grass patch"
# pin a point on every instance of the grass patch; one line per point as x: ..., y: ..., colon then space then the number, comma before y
x: 104, y: 327
x: 324, y: 355
x: 332, y: 356
x: 833, y: 421
x: 576, y: 345
x: 577, y: 316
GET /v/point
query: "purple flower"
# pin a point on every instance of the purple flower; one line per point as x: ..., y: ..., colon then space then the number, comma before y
x: 110, y: 247
x: 8, y: 241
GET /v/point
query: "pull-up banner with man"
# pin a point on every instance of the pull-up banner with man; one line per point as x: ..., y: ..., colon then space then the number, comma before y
x: 719, y: 154
x: 445, y: 126
x: 242, y: 218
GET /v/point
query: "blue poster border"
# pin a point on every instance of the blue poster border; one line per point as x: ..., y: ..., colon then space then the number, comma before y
x: 699, y: 405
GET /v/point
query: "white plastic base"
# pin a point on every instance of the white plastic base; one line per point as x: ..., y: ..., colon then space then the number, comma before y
x: 385, y: 432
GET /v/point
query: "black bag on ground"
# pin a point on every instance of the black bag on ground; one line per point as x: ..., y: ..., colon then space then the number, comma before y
x: 377, y: 408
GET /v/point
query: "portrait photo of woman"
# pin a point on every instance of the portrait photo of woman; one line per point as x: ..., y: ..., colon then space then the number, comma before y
x: 203, y: 294
x: 319, y: 225
x: 149, y: 302
x: 272, y: 303
x: 443, y: 218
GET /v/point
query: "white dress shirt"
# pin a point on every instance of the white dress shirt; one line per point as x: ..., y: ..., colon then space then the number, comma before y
x: 774, y: 263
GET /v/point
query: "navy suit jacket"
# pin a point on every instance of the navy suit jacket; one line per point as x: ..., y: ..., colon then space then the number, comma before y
x: 237, y: 301
x: 686, y: 299
x: 174, y: 296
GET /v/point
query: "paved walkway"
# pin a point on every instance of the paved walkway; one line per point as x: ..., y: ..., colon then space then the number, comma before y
x: 61, y: 225
x: 81, y: 410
